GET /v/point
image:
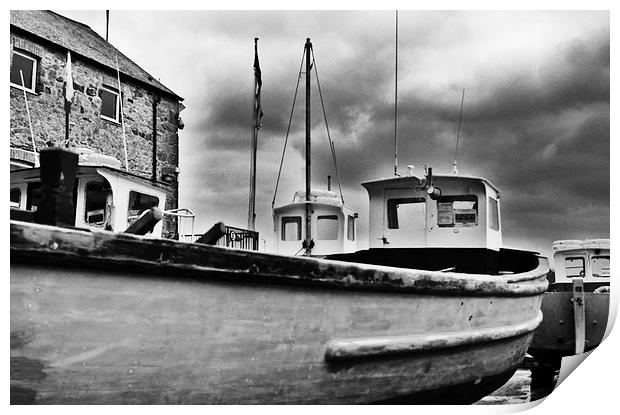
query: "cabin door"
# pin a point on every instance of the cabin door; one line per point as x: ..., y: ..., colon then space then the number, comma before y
x: 404, y: 214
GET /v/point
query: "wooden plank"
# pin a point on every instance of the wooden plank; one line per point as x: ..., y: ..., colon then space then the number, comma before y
x: 108, y: 250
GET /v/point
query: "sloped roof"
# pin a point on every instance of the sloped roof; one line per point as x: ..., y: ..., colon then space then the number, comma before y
x: 81, y: 40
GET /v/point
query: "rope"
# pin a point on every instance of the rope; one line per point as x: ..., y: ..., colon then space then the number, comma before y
x: 288, y: 130
x: 120, y: 109
x: 331, y: 143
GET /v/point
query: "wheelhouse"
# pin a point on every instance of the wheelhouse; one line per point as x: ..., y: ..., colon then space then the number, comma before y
x: 588, y: 259
x: 333, y: 224
x: 104, y: 196
x: 446, y: 211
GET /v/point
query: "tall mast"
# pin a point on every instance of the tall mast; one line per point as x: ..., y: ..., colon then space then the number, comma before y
x: 308, y: 241
x: 396, y: 101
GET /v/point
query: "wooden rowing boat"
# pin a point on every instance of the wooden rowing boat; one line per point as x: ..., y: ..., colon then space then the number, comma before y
x: 100, y: 317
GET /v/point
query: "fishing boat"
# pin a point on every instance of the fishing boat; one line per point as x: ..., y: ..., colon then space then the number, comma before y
x: 118, y: 317
x: 576, y: 306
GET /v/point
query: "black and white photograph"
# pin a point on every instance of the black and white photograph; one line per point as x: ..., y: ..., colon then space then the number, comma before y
x: 408, y: 205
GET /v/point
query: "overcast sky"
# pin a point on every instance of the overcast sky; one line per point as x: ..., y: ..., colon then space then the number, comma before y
x: 535, y: 121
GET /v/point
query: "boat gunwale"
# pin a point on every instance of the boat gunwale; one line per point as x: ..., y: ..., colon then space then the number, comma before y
x: 78, y: 246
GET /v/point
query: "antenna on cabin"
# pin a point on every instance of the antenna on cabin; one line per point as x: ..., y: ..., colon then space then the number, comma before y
x: 396, y: 102
x: 458, y: 134
x: 107, y: 24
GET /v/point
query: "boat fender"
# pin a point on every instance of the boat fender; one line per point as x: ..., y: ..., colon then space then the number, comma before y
x: 146, y: 222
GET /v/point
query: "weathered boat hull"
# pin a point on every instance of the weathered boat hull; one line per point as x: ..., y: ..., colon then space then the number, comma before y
x: 98, y: 318
x: 555, y: 337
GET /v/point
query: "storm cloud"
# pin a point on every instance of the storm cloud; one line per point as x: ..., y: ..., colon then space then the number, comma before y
x: 535, y: 120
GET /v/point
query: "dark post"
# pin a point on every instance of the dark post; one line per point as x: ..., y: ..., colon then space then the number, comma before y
x: 67, y: 112
x: 308, y: 239
x: 58, y: 171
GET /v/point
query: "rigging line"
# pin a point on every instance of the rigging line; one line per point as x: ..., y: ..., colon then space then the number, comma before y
x: 329, y: 138
x: 458, y: 132
x: 288, y: 129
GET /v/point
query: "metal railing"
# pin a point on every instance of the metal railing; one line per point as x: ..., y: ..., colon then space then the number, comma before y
x: 233, y: 238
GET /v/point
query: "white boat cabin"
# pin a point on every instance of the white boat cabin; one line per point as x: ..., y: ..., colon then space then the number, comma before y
x: 452, y: 211
x: 588, y: 259
x: 105, y: 196
x: 333, y: 224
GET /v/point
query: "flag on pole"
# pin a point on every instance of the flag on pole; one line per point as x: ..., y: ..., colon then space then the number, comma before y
x: 68, y: 83
x: 258, y: 111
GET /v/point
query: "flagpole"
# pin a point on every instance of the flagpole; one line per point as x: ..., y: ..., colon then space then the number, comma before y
x: 68, y: 96
x: 254, y: 143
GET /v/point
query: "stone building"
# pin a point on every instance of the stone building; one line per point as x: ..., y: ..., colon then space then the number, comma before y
x: 150, y: 111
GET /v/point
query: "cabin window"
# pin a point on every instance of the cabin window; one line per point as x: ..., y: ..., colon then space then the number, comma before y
x: 575, y: 267
x: 406, y: 213
x: 351, y: 228
x: 600, y: 266
x: 110, y: 104
x: 33, y: 194
x: 138, y: 203
x: 327, y: 228
x: 28, y: 67
x: 291, y: 228
x: 96, y: 195
x: 16, y: 195
x: 457, y: 211
x: 493, y: 214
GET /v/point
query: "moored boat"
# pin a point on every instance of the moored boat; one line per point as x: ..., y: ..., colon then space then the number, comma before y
x: 576, y: 306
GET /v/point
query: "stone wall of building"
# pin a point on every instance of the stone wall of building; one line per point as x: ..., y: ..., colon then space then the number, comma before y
x: 87, y: 128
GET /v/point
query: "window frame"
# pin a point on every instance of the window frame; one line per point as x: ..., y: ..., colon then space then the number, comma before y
x: 329, y: 218
x: 493, y: 208
x: 101, y: 224
x: 350, y: 228
x: 592, y: 265
x: 458, y: 198
x: 392, y: 209
x: 132, y: 218
x: 115, y: 92
x: 290, y: 219
x: 16, y: 204
x: 582, y: 274
x: 35, y: 68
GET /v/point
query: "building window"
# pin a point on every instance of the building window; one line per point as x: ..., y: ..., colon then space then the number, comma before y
x: 493, y: 214
x: 457, y: 211
x: 327, y: 228
x: 574, y: 267
x: 406, y: 213
x: 110, y: 104
x: 25, y: 65
x: 138, y: 203
x: 16, y: 196
x: 600, y: 266
x: 351, y: 228
x: 291, y: 228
